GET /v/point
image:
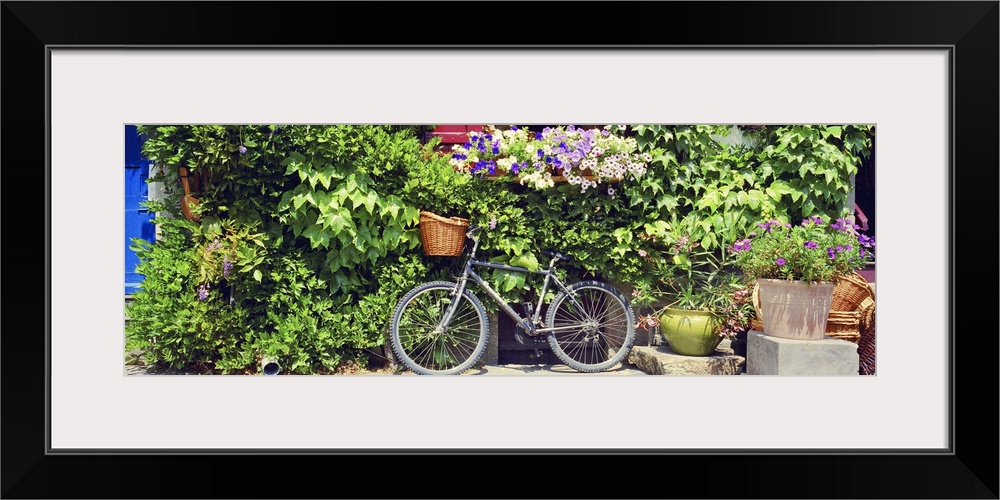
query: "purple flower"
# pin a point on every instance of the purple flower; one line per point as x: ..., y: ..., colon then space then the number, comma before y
x: 844, y: 225
x: 202, y: 292
x: 515, y: 168
x: 571, y: 128
x: 514, y: 128
x: 741, y: 246
x: 538, y: 136
x: 810, y: 245
x: 753, y: 233
x: 611, y: 191
x: 831, y: 253
x: 780, y: 261
x: 840, y: 249
x: 493, y: 223
x: 642, y: 253
x: 861, y: 251
x: 243, y: 149
x: 605, y: 132
x: 540, y: 154
x: 848, y: 248
x: 787, y: 225
x: 226, y: 266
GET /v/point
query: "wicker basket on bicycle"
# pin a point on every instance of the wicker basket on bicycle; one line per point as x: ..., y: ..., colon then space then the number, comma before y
x: 852, y: 297
x: 442, y: 236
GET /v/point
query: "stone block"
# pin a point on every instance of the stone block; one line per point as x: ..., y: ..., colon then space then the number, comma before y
x: 660, y: 360
x: 491, y: 356
x: 777, y: 356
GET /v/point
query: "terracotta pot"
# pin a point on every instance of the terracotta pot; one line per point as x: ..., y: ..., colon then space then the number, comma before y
x: 795, y: 309
x: 691, y: 333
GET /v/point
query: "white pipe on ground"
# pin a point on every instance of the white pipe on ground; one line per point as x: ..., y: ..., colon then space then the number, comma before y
x: 270, y: 366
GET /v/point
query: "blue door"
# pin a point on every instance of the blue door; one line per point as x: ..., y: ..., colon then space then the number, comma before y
x: 138, y: 221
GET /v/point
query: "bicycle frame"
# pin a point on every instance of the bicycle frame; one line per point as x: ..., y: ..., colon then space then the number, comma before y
x: 528, y: 324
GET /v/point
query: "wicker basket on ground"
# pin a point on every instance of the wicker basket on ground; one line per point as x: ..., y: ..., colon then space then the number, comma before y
x: 442, y: 236
x: 852, y: 297
x: 866, y: 347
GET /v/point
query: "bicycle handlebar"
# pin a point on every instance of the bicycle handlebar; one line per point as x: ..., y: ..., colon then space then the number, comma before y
x: 473, y: 231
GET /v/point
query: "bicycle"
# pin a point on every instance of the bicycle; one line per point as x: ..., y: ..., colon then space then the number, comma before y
x: 589, y: 324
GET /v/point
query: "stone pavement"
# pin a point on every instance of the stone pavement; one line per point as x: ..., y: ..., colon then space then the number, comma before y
x: 642, y: 360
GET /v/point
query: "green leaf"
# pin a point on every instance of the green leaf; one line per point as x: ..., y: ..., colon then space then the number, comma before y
x: 526, y: 260
x: 317, y: 236
x: 411, y: 215
x: 512, y: 281
x: 780, y: 186
x: 808, y: 208
x: 256, y: 275
x: 369, y: 201
x: 657, y: 229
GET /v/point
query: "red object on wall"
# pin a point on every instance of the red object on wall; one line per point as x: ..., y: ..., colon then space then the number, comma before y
x: 451, y: 135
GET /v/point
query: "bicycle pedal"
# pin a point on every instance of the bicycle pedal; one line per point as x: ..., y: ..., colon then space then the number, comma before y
x: 527, y: 309
x: 538, y: 353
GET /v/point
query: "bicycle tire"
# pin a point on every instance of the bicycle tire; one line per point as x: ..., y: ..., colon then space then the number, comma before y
x: 426, y: 351
x: 593, y: 347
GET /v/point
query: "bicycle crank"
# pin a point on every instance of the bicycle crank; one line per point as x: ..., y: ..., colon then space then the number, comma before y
x: 530, y: 341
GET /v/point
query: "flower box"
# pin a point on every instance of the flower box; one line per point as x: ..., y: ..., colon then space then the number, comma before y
x: 540, y: 159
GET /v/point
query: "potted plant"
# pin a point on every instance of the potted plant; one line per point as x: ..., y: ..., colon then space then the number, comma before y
x: 581, y: 156
x: 796, y: 267
x: 705, y: 300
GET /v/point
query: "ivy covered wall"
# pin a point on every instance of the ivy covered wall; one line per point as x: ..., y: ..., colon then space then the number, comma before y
x: 307, y: 236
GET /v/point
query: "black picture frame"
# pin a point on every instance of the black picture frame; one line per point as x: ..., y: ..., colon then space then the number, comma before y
x: 968, y: 470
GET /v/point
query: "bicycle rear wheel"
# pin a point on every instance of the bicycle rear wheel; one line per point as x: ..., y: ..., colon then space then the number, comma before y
x: 426, y: 346
x: 596, y: 326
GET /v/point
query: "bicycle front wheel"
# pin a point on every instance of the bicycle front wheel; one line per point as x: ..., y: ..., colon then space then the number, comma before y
x: 424, y: 343
x: 594, y: 326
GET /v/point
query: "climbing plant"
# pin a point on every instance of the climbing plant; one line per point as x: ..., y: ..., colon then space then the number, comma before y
x: 317, y: 226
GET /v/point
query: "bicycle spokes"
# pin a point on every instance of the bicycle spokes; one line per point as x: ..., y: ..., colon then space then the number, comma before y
x: 592, y: 327
x: 430, y: 343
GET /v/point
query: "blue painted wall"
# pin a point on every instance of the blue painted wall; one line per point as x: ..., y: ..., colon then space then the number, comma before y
x: 138, y: 221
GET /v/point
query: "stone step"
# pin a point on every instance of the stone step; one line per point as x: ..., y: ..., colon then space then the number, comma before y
x: 660, y: 360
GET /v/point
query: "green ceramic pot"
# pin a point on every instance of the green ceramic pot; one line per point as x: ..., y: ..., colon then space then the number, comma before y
x: 691, y: 333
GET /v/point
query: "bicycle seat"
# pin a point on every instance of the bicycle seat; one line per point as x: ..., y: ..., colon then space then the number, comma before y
x: 558, y: 255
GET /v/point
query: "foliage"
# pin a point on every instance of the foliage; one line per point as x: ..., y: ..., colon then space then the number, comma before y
x: 346, y: 205
x: 171, y: 320
x: 690, y: 278
x: 722, y: 186
x: 813, y: 251
x: 318, y: 237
